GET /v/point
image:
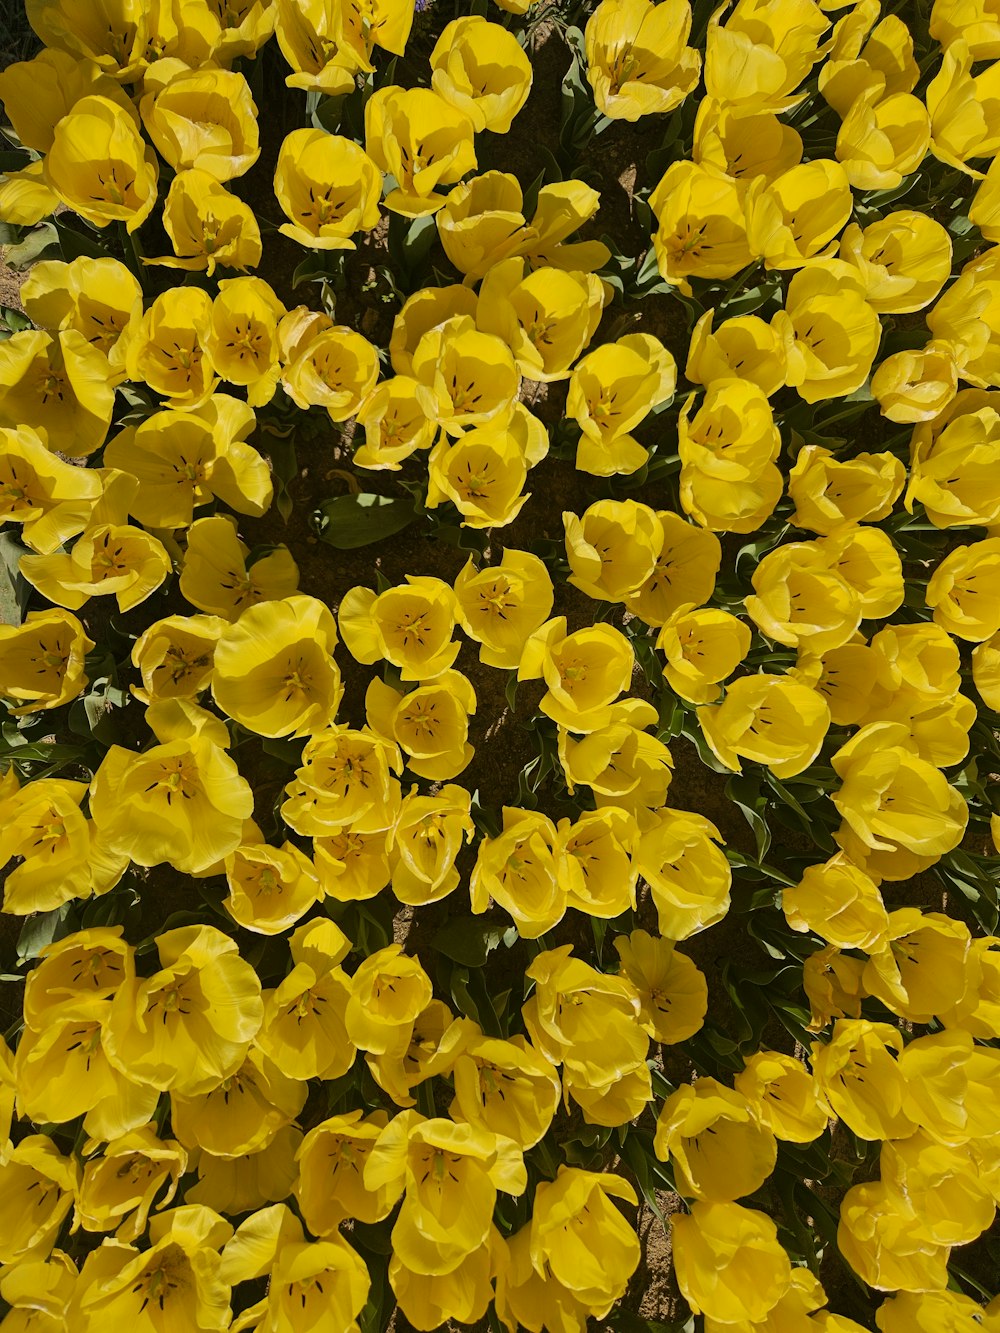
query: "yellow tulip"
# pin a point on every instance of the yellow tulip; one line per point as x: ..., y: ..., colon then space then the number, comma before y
x: 672, y: 991
x: 202, y: 119
x: 242, y: 339
x: 332, y: 1160
x: 600, y: 874
x: 328, y: 187
x: 951, y: 472
x: 963, y: 592
x: 345, y: 783
x: 613, y: 549
x: 215, y: 577
x: 481, y: 70
x: 745, y: 347
x: 86, y: 964
x: 42, y: 661
x: 110, y: 559
x: 243, y: 27
x: 97, y: 297
x: 729, y: 482
x: 831, y: 332
x: 701, y: 230
x: 526, y: 1298
x: 430, y: 723
x: 986, y: 671
x: 611, y: 390
x: 744, y: 145
x: 943, y: 1183
x: 52, y: 500
x: 59, y: 385
x: 621, y: 763
x: 923, y: 967
x: 866, y: 59
x: 984, y: 210
x: 427, y: 1050
x: 38, y: 93
x: 304, y: 1029
x: 507, y: 1087
x: 520, y: 869
x: 270, y: 888
x: 906, y: 1312
x: 585, y: 671
x: 119, y: 1187
x: 795, y: 217
x: 950, y: 1084
x: 581, y: 1239
x: 688, y: 875
x: 275, y: 671
x: 703, y: 646
x: 859, y: 1076
x: 684, y: 574
x: 840, y: 903
x: 482, y: 472
x: 500, y: 607
x: 784, y: 1095
x: 801, y: 599
x: 831, y: 493
x: 547, y: 317
x: 425, y: 842
x: 866, y: 559
x: 883, y: 139
x: 208, y: 226
x: 964, y: 109
x: 465, y: 377
x: 337, y: 370
x: 166, y: 348
x: 37, y: 1189
x: 720, y: 1151
x: 795, y: 718
x: 410, y: 626
x: 420, y: 313
x: 763, y: 52
x: 311, y: 36
x: 967, y: 316
x: 728, y: 1261
x: 351, y: 866
x: 832, y: 983
x: 638, y: 60
x: 878, y: 1236
x: 420, y: 140
x: 394, y: 424
x: 99, y: 166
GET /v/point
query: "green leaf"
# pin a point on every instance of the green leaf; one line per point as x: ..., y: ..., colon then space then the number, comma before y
x: 34, y: 245
x: 77, y: 244
x: 41, y: 928
x: 14, y: 589
x: 745, y: 792
x: 468, y: 940
x: 349, y: 521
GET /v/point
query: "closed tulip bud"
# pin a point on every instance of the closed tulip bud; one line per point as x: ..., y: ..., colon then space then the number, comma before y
x: 769, y: 720
x: 274, y: 669
x: 501, y: 606
x: 613, y: 549
x: 688, y: 875
x: 839, y: 903
x: 481, y: 70
x: 783, y: 1095
x: 831, y: 493
x: 728, y: 1261
x: 638, y: 60
x: 328, y: 187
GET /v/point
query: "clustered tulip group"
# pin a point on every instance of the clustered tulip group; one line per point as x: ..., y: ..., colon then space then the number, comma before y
x: 265, y: 1115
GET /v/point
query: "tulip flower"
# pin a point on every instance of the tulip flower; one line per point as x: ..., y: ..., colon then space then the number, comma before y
x: 215, y: 578
x: 986, y: 671
x: 701, y: 232
x: 831, y: 332
x: 243, y: 1114
x: 585, y: 672
x: 425, y: 842
x: 110, y: 559
x: 801, y: 599
x: 465, y: 378
x: 911, y: 1312
x: 52, y: 500
x: 97, y: 297
x: 984, y: 210
x: 270, y: 888
x: 831, y: 493
x: 410, y: 626
x: 923, y: 967
x: 883, y: 140
x: 783, y: 1095
x: 57, y: 384
x: 600, y: 877
x: 208, y: 226
x: 394, y: 425
x: 304, y: 1028
x: 840, y: 903
x: 762, y: 53
x: 795, y: 217
x: 613, y: 548
x: 524, y: 1297
x: 482, y: 472
x: 330, y: 1185
x: 506, y: 1087
x: 964, y: 109
x: 688, y: 875
x: 611, y: 390
x: 672, y: 991
x: 166, y: 348
x: 274, y: 668
x: 702, y: 647
x: 429, y: 723
x: 728, y: 1261
x: 482, y: 71
x: 547, y: 317
x: 423, y: 311
x: 771, y: 720
x: 420, y: 140
x: 328, y: 187
x: 744, y: 145
x: 500, y: 607
x: 38, y: 93
x: 741, y: 348
x: 867, y: 59
x: 966, y: 316
x: 99, y: 166
x: 684, y: 574
x: 464, y: 1294
x: 42, y: 661
x: 621, y: 763
x: 879, y: 1237
x: 950, y: 1082
x: 638, y: 60
x: 580, y: 1237
x: 337, y: 370
x: 859, y: 1075
x: 203, y: 119
x: 832, y: 983
x: 37, y: 1189
x: 963, y: 593
x: 345, y: 783
x: 720, y: 1151
x: 119, y: 1187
